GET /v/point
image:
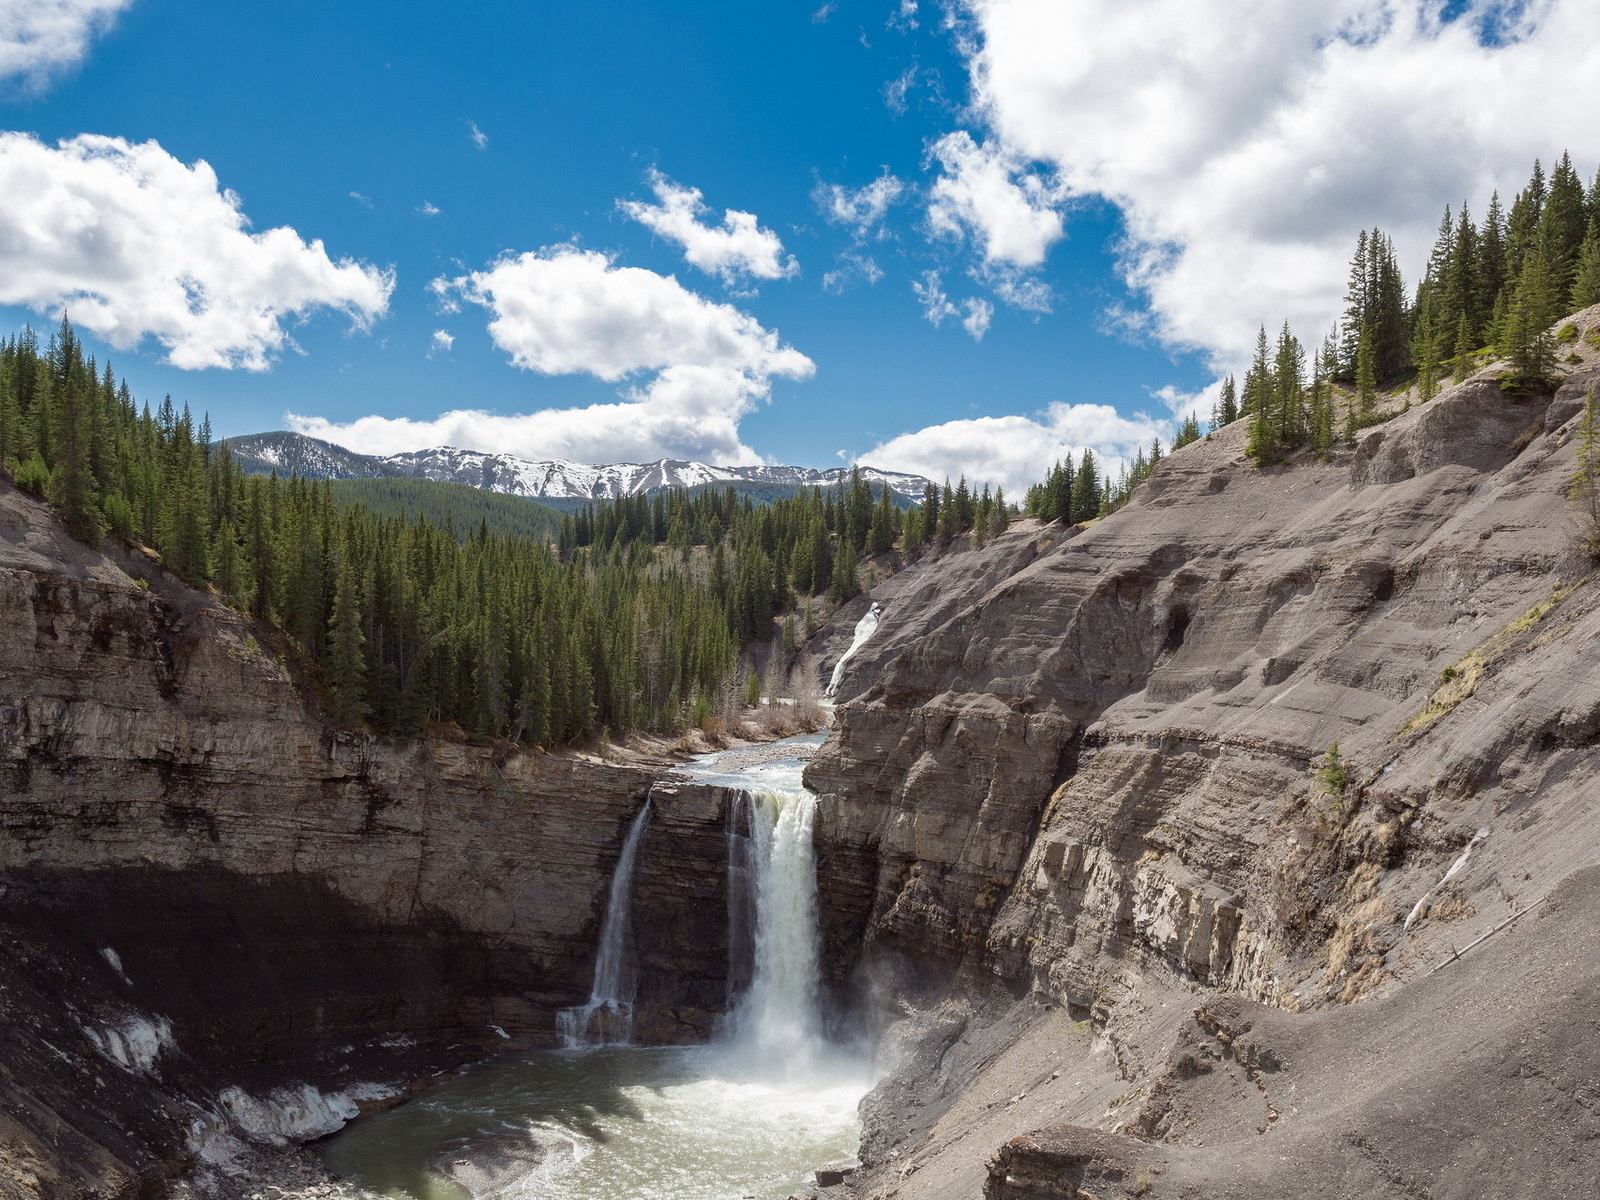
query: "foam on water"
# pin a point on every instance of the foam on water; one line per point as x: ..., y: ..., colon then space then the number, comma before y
x: 752, y: 1114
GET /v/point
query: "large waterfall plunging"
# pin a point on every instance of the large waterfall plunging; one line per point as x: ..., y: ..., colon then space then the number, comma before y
x: 776, y: 1017
x: 607, y: 1018
x: 750, y: 1115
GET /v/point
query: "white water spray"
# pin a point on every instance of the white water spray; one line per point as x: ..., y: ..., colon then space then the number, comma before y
x: 864, y: 630
x: 776, y: 1021
x: 610, y: 1005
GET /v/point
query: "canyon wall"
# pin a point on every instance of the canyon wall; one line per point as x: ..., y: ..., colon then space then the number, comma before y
x: 1072, y: 789
x: 213, y: 900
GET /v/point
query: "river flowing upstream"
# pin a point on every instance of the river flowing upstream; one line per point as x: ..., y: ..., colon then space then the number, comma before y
x: 751, y: 1114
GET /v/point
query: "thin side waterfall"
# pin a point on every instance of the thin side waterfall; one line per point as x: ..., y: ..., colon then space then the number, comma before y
x: 607, y: 1018
x: 864, y: 630
x: 776, y: 1023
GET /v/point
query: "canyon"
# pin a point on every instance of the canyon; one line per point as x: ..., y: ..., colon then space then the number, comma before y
x: 1076, y: 870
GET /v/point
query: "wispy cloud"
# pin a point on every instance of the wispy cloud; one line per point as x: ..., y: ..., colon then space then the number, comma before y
x: 860, y: 209
x: 898, y: 89
x: 480, y: 139
x: 39, y: 38
x: 427, y: 209
x: 821, y: 15
x: 973, y: 313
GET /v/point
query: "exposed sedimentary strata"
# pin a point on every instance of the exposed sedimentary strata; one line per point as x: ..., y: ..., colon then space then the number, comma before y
x: 224, y: 919
x: 1078, y: 767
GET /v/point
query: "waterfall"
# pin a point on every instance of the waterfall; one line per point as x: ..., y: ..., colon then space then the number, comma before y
x: 864, y: 630
x: 610, y: 1005
x: 775, y: 1022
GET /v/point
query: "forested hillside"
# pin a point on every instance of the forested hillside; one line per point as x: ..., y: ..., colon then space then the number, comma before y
x: 454, y: 505
x: 401, y: 619
x: 1489, y: 291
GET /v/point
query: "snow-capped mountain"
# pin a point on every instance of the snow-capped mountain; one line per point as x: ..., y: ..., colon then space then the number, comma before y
x: 554, y: 479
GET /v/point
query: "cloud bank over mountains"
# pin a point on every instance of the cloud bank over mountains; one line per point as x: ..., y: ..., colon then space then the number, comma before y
x: 691, y: 367
x: 1241, y: 144
x: 1244, y: 144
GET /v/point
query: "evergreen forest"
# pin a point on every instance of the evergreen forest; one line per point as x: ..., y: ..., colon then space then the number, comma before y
x: 412, y: 602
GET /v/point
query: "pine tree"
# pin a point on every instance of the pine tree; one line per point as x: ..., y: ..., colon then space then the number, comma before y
x: 1086, y: 490
x: 1288, y: 378
x: 1425, y: 347
x: 1229, y: 403
x: 1462, y: 359
x: 1583, y: 489
x: 1562, y: 223
x: 1523, y: 225
x: 1527, y: 344
x: 346, y: 670
x: 1586, y: 274
x: 1260, y: 391
x: 1366, y: 376
x: 1357, y: 302
x: 73, y: 490
x: 1491, y: 268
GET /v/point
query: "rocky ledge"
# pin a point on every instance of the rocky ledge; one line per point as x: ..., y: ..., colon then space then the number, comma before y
x: 229, y: 927
x: 1071, y: 806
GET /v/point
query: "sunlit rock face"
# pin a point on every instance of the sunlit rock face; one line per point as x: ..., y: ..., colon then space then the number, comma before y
x: 1076, y: 767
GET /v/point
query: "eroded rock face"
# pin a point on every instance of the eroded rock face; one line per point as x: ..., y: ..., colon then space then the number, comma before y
x: 300, y: 906
x: 1079, y: 765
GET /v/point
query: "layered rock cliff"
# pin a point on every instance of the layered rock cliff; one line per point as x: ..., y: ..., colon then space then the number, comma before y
x: 227, y: 924
x: 1072, y: 854
x: 1069, y: 818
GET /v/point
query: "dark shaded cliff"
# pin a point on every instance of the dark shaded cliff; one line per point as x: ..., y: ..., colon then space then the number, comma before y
x: 1075, y: 774
x: 225, y: 924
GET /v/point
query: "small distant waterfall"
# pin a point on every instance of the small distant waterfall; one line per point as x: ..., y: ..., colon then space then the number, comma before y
x: 864, y: 630
x: 776, y: 1019
x: 610, y: 1006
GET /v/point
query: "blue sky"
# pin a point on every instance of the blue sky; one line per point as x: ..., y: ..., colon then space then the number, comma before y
x: 1090, y: 206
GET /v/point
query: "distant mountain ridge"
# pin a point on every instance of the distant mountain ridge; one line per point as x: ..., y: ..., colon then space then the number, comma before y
x: 550, y: 479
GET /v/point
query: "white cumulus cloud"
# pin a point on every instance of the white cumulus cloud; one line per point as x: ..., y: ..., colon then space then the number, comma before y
x: 38, y: 37
x: 1246, y: 143
x: 130, y: 243
x: 441, y: 342
x: 736, y: 249
x: 986, y: 191
x: 1015, y: 452
x: 691, y: 368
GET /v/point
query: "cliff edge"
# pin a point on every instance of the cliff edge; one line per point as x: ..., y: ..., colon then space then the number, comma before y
x: 1074, y: 839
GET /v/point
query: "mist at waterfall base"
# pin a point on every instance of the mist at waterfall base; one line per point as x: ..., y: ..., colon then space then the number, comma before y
x: 750, y: 1114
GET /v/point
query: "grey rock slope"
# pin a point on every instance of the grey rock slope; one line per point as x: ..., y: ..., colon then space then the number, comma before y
x: 1076, y: 771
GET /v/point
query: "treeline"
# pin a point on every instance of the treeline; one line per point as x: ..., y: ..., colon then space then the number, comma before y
x: 453, y: 506
x: 403, y: 620
x: 1490, y: 288
x: 764, y: 561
